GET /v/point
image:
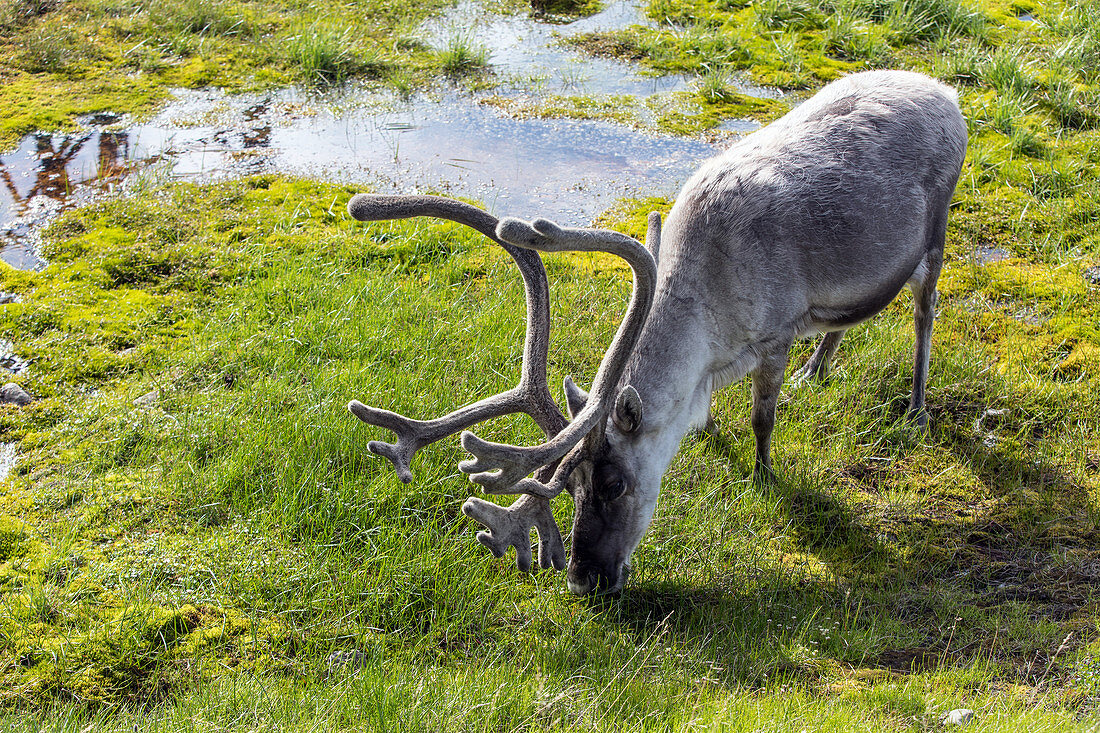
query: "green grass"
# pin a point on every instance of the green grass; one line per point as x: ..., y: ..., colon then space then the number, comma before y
x: 198, y: 556
x: 462, y: 55
x: 328, y: 54
x: 193, y: 560
x: 716, y: 86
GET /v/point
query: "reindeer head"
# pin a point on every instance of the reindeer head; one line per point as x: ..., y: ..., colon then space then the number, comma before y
x: 611, y: 512
x: 589, y: 455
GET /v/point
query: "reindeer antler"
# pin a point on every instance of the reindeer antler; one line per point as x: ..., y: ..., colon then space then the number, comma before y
x: 501, y: 468
x: 506, y: 526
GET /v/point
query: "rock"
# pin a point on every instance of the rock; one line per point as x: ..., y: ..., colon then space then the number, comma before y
x: 962, y: 716
x: 148, y: 399
x: 991, y: 418
x: 351, y: 658
x: 1092, y: 274
x: 12, y: 394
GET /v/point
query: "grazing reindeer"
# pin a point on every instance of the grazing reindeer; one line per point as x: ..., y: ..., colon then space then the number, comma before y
x: 812, y: 224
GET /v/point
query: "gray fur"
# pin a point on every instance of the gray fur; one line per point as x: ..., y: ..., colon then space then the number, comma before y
x: 810, y: 225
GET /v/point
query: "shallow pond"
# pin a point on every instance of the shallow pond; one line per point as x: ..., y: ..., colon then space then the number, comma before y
x: 444, y: 141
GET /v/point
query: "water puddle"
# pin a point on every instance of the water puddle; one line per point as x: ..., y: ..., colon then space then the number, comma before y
x: 987, y: 255
x: 442, y: 141
x: 531, y: 57
x: 8, y: 457
x: 48, y: 172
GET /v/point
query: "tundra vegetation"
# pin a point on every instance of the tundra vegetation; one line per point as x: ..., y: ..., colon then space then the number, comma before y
x: 195, y: 538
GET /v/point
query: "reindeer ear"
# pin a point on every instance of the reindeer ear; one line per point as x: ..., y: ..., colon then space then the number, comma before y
x: 627, y: 413
x: 575, y: 398
x: 653, y: 234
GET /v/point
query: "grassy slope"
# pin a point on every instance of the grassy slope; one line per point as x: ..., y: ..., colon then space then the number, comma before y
x: 235, y: 528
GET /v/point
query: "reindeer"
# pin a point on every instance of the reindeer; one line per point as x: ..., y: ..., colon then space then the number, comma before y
x: 810, y: 225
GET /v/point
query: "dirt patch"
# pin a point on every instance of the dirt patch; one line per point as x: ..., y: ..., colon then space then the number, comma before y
x: 868, y: 475
x: 906, y: 661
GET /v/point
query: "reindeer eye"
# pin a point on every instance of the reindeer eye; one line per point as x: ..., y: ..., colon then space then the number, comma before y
x: 612, y: 488
x: 610, y: 481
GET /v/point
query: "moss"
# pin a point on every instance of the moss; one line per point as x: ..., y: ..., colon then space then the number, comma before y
x: 566, y: 8
x: 678, y: 113
x: 623, y: 109
x: 687, y: 114
x: 1082, y: 361
x: 35, y: 103
x: 717, y: 38
x: 622, y: 46
x: 117, y: 654
x: 630, y: 216
x: 13, y: 539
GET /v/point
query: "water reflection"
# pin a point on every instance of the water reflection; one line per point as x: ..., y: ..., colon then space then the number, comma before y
x: 56, y: 160
x: 568, y: 170
x: 48, y: 171
x: 258, y: 136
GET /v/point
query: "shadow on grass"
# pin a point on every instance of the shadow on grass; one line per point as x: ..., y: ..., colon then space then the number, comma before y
x: 1006, y: 573
x: 825, y: 525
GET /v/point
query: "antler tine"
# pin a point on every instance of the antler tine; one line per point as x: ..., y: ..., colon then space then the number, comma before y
x: 412, y: 435
x: 511, y: 526
x: 653, y: 235
x: 501, y: 468
x: 531, y: 395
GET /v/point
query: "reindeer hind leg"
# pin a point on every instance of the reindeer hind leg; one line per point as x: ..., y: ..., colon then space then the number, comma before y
x: 816, y: 367
x: 924, y: 313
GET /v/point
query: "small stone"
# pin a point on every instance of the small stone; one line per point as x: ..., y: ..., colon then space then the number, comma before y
x: 962, y: 716
x: 991, y: 418
x: 353, y: 658
x: 148, y: 399
x: 12, y: 394
x: 1092, y: 274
